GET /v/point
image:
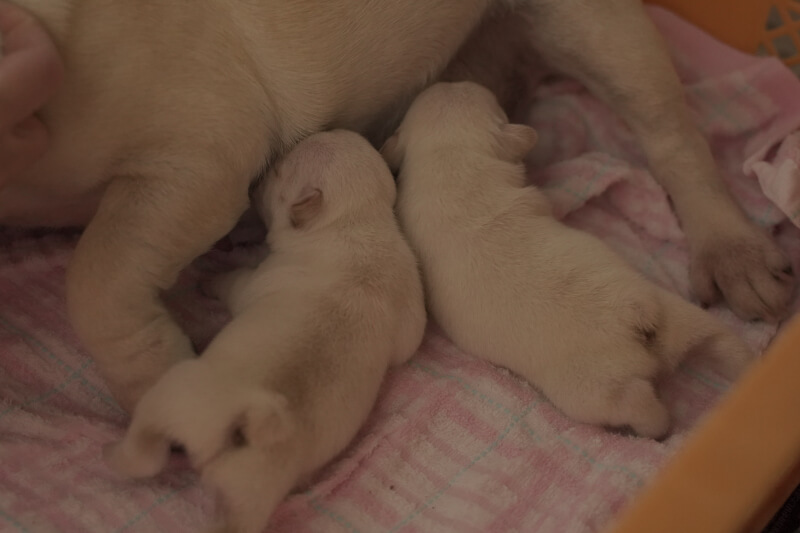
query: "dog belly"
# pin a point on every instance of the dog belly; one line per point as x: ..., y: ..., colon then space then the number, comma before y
x: 364, y: 74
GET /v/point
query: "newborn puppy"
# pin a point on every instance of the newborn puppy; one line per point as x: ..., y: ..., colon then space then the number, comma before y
x: 288, y: 383
x: 508, y: 282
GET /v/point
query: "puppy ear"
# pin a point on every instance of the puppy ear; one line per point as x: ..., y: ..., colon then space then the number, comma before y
x: 391, y: 152
x: 306, y: 208
x: 141, y: 453
x: 515, y: 141
x: 267, y: 419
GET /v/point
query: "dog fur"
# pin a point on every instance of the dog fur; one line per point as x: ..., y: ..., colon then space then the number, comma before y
x: 509, y: 283
x: 288, y: 383
x: 169, y: 110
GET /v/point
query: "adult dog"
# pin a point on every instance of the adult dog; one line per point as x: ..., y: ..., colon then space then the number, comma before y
x: 170, y: 109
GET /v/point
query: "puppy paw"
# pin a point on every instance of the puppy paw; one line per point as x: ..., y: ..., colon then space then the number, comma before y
x: 642, y: 411
x: 747, y: 268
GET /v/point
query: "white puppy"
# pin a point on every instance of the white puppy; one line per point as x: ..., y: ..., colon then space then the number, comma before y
x: 510, y: 283
x: 287, y: 384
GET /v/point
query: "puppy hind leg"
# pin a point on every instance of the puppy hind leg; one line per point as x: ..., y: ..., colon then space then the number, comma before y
x: 613, y: 388
x: 623, y: 402
x: 615, y: 50
x: 636, y: 405
x: 685, y: 329
x: 250, y: 487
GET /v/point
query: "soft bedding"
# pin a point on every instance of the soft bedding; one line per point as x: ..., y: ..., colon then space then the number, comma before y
x: 454, y: 445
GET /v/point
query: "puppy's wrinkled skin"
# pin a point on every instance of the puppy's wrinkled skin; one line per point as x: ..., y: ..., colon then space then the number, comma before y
x: 286, y: 385
x: 168, y: 113
x: 509, y: 283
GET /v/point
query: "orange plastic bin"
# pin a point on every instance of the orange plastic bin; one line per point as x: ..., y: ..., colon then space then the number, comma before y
x: 741, y: 464
x: 771, y: 26
x: 739, y: 467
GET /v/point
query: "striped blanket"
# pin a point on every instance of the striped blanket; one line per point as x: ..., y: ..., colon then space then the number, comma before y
x: 453, y: 445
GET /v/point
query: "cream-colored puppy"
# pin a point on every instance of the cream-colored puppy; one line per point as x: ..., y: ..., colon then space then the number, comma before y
x: 511, y: 284
x: 287, y: 384
x: 170, y: 109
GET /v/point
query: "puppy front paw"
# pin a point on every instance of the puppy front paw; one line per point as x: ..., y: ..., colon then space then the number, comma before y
x: 743, y: 265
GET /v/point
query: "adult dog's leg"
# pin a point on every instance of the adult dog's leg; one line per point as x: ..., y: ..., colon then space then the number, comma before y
x: 146, y: 231
x: 614, y: 49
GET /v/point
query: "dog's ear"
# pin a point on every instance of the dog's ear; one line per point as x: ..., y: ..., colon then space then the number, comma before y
x: 306, y: 208
x: 391, y: 152
x: 267, y: 419
x: 143, y: 452
x: 515, y: 141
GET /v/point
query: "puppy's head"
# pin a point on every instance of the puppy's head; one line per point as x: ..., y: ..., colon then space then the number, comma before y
x: 322, y: 177
x: 458, y: 114
x: 210, y: 415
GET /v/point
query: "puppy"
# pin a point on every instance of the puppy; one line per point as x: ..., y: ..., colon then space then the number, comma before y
x: 287, y: 384
x: 167, y: 114
x: 509, y: 283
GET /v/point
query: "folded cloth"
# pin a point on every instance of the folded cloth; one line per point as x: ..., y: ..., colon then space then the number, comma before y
x: 453, y: 444
x: 779, y: 176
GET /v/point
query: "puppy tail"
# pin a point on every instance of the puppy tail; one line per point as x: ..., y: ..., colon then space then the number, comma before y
x: 686, y: 330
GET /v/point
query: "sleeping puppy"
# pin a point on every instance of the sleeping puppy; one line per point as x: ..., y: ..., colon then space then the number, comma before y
x: 509, y: 283
x: 287, y: 384
x: 167, y: 114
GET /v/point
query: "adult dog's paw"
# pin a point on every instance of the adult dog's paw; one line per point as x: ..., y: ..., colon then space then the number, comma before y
x: 133, y: 363
x: 742, y: 264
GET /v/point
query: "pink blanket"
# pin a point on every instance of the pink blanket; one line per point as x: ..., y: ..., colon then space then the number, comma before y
x: 454, y: 444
